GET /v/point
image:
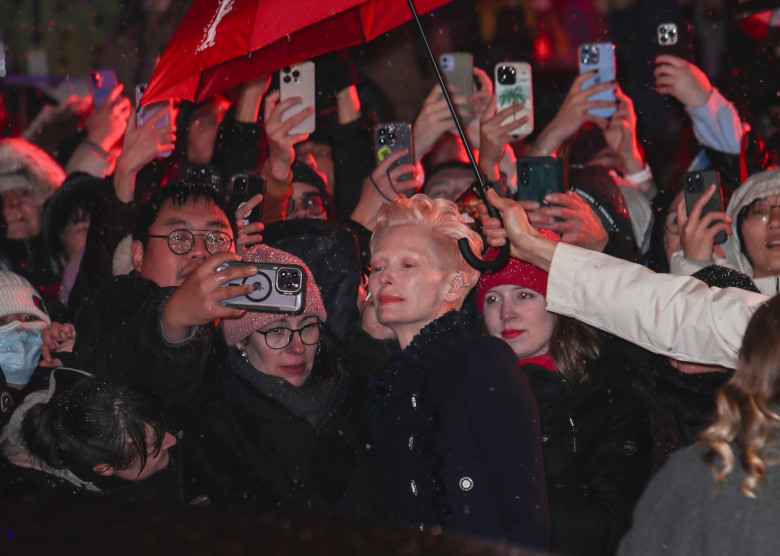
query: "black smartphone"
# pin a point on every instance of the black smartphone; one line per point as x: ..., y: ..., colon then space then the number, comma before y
x: 695, y: 184
x: 390, y: 137
x: 675, y: 38
x: 241, y: 188
x: 537, y: 176
x: 278, y: 288
x: 207, y: 175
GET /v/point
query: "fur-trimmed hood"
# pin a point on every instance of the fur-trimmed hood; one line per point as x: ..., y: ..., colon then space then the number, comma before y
x: 20, y: 158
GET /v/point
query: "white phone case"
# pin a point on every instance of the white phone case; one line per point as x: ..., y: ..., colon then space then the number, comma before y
x: 298, y: 81
x: 514, y: 86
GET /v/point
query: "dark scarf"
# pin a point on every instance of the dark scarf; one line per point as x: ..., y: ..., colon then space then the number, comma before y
x: 310, y: 401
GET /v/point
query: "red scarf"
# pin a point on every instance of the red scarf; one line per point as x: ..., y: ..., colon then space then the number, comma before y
x: 545, y: 361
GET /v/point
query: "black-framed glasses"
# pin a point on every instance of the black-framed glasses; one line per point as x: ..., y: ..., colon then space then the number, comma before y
x: 311, y: 204
x: 280, y: 337
x: 182, y: 241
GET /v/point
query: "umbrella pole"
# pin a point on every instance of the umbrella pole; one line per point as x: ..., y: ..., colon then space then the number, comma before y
x: 503, y: 256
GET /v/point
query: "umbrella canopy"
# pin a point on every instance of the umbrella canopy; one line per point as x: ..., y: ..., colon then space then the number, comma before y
x: 222, y: 43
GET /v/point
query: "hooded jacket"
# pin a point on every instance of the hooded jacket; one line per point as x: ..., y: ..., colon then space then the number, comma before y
x: 758, y: 186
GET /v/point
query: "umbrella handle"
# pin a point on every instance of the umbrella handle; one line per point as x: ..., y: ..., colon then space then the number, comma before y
x: 465, y: 249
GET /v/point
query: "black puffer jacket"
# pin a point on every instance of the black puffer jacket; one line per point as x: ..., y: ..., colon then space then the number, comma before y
x: 597, y: 455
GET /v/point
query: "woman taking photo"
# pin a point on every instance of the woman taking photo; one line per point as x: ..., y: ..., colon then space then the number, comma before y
x: 455, y: 425
x: 292, y: 411
x: 597, y: 442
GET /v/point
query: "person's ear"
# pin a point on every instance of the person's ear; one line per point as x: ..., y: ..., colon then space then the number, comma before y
x: 103, y: 469
x: 137, y: 254
x: 458, y: 287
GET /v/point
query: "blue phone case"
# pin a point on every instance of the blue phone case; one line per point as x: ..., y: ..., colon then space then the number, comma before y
x: 600, y: 57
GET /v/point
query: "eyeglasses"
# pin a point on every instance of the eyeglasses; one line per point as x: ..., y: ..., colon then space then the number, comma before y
x: 760, y: 212
x: 310, y: 204
x: 182, y: 241
x: 280, y: 337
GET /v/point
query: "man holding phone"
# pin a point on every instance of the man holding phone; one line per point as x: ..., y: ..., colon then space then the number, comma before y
x: 156, y: 326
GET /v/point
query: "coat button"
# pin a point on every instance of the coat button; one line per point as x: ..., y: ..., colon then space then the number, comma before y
x: 466, y: 484
x: 411, y: 442
x: 414, y: 488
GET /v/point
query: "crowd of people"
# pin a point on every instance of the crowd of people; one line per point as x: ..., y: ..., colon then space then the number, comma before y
x: 536, y: 404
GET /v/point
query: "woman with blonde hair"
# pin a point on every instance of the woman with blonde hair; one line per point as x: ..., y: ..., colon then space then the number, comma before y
x: 727, y: 503
x: 455, y: 426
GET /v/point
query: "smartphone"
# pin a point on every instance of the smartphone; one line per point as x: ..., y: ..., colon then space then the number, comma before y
x: 695, y: 184
x: 101, y: 83
x: 298, y: 81
x: 278, y: 288
x: 390, y: 137
x: 207, y: 175
x: 143, y: 113
x: 513, y: 86
x: 458, y: 71
x: 241, y: 188
x: 676, y: 38
x: 601, y: 58
x: 537, y: 176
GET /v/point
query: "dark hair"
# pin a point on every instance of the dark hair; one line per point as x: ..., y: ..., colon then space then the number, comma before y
x: 572, y: 346
x: 448, y: 165
x: 96, y: 421
x: 179, y: 193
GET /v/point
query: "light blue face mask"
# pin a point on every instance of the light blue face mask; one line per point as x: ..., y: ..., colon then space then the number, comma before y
x: 20, y: 350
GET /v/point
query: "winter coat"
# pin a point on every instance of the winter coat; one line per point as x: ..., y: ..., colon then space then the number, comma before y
x: 457, y: 435
x: 297, y: 461
x: 684, y: 511
x: 118, y: 331
x: 597, y: 457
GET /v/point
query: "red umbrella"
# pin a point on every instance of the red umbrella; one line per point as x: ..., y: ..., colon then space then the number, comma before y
x: 222, y: 43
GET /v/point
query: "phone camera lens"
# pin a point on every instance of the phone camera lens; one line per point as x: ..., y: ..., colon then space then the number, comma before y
x: 286, y: 69
x: 391, y: 137
x: 286, y: 79
x: 296, y: 74
x: 507, y: 75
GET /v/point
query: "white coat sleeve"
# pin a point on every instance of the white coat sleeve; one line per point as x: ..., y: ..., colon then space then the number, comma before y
x: 672, y: 315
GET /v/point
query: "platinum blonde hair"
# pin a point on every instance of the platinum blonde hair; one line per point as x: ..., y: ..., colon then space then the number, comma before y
x: 442, y: 221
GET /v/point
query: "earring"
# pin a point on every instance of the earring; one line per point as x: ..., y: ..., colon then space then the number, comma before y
x: 459, y: 277
x: 244, y: 355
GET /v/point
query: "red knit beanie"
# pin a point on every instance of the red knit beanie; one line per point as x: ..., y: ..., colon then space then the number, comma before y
x: 515, y: 273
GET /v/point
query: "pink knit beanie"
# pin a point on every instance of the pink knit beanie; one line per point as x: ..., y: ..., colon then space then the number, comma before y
x: 236, y: 330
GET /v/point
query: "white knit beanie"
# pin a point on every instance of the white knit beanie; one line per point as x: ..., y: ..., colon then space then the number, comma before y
x: 18, y: 296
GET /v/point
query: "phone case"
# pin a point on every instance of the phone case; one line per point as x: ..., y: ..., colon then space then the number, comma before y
x: 514, y: 86
x: 101, y: 83
x: 243, y: 187
x: 390, y: 137
x: 298, y: 81
x: 694, y: 186
x: 675, y: 38
x: 277, y: 288
x: 145, y: 112
x: 537, y: 176
x: 601, y: 58
x: 458, y: 71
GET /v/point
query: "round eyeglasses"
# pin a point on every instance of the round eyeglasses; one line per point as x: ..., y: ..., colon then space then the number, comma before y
x: 280, y: 337
x: 182, y: 241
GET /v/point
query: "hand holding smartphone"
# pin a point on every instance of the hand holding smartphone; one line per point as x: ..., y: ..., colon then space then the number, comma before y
x: 298, y: 81
x: 241, y: 188
x: 276, y: 288
x: 513, y: 86
x: 458, y: 71
x: 143, y: 113
x: 695, y: 185
x: 599, y: 57
x: 538, y: 176
x: 391, y: 137
x: 675, y: 38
